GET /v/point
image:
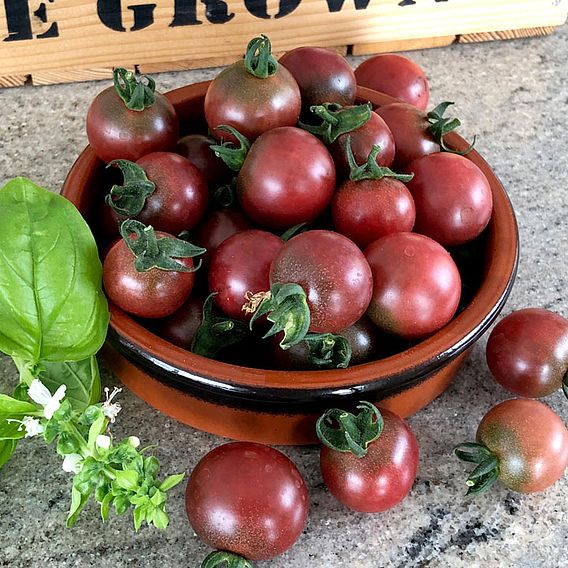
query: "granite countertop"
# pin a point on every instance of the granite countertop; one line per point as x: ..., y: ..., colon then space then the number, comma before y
x: 514, y: 96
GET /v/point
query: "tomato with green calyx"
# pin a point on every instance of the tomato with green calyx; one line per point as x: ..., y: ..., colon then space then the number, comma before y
x: 416, y: 285
x: 161, y: 189
x: 323, y: 76
x: 131, y: 119
x: 373, y: 202
x: 247, y: 499
x: 148, y: 274
x: 520, y: 442
x: 368, y: 461
x: 527, y: 352
x: 288, y: 177
x: 253, y: 95
x: 397, y: 76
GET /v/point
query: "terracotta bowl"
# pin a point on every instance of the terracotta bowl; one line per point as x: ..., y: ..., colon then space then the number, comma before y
x: 281, y: 407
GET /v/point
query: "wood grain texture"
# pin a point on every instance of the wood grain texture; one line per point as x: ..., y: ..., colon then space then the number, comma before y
x: 506, y: 34
x: 71, y: 75
x: 13, y: 80
x: 402, y: 45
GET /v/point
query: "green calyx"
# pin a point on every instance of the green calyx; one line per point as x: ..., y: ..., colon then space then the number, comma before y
x: 216, y: 332
x: 224, y: 559
x: 328, y: 351
x: 487, y: 471
x: 293, y: 231
x: 233, y: 155
x: 336, y: 120
x: 137, y: 94
x: 157, y: 252
x: 259, y: 60
x: 226, y: 195
x: 565, y: 385
x: 287, y: 308
x: 440, y: 126
x: 370, y: 169
x: 345, y: 432
x: 130, y: 198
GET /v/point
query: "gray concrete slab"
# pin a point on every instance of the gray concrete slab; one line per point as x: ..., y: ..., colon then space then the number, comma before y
x: 514, y: 95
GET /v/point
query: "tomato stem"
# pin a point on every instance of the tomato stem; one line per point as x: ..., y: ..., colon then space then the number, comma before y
x: 370, y: 169
x: 233, y: 155
x: 130, y: 198
x: 337, y: 120
x: 293, y: 231
x: 136, y: 94
x: 486, y: 473
x: 259, y: 60
x: 225, y: 195
x: 224, y: 559
x: 216, y: 332
x: 153, y: 252
x: 287, y: 308
x: 328, y: 350
x: 440, y: 126
x: 344, y: 432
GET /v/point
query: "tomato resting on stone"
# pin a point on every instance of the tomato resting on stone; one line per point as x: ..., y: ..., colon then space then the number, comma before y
x: 369, y: 461
x: 248, y: 499
x: 416, y: 285
x: 130, y: 119
x: 520, y: 442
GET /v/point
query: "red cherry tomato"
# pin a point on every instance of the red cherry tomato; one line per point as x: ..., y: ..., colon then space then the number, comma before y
x: 247, y: 498
x: 250, y: 104
x: 323, y: 76
x: 115, y: 132
x: 333, y: 273
x: 179, y: 328
x: 367, y: 210
x: 452, y: 196
x: 152, y: 294
x: 416, y: 285
x: 383, y: 477
x: 527, y: 444
x: 411, y: 131
x: 396, y: 76
x: 527, y: 352
x: 181, y: 194
x: 241, y: 264
x: 374, y: 132
x: 288, y: 178
x: 197, y: 149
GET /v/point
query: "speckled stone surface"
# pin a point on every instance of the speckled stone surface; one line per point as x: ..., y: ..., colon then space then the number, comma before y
x: 514, y: 95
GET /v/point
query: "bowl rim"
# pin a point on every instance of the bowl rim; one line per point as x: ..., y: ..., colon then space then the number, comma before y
x: 394, y: 372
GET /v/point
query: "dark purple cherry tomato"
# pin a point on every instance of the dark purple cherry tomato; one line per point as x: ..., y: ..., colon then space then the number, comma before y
x: 411, y: 131
x: 197, y: 149
x: 374, y: 132
x: 452, y: 197
x: 179, y: 328
x: 416, y: 285
x: 396, y: 76
x: 116, y: 132
x: 333, y: 273
x: 248, y: 499
x: 367, y: 210
x: 251, y: 104
x: 152, y: 294
x: 383, y: 477
x: 527, y: 352
x: 527, y: 444
x: 323, y: 76
x: 288, y: 178
x: 217, y: 226
x: 181, y: 194
x: 241, y: 264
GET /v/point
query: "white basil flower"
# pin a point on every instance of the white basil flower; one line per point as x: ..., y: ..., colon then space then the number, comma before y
x: 72, y: 463
x: 111, y: 409
x: 32, y: 425
x: 40, y: 394
x: 103, y: 441
x: 134, y: 441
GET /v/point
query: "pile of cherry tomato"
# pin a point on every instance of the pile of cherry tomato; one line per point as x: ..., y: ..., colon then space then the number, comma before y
x: 286, y: 225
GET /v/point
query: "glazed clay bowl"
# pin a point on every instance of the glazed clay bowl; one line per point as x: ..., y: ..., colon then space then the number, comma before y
x: 280, y: 407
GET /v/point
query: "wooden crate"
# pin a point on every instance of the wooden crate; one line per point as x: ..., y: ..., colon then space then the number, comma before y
x: 50, y: 41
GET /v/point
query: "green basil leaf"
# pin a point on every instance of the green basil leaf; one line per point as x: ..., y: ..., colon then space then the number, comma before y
x: 127, y: 479
x: 171, y: 481
x: 7, y: 448
x: 160, y: 518
x: 78, y: 502
x: 81, y: 377
x: 13, y: 406
x: 52, y: 307
x: 11, y: 430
